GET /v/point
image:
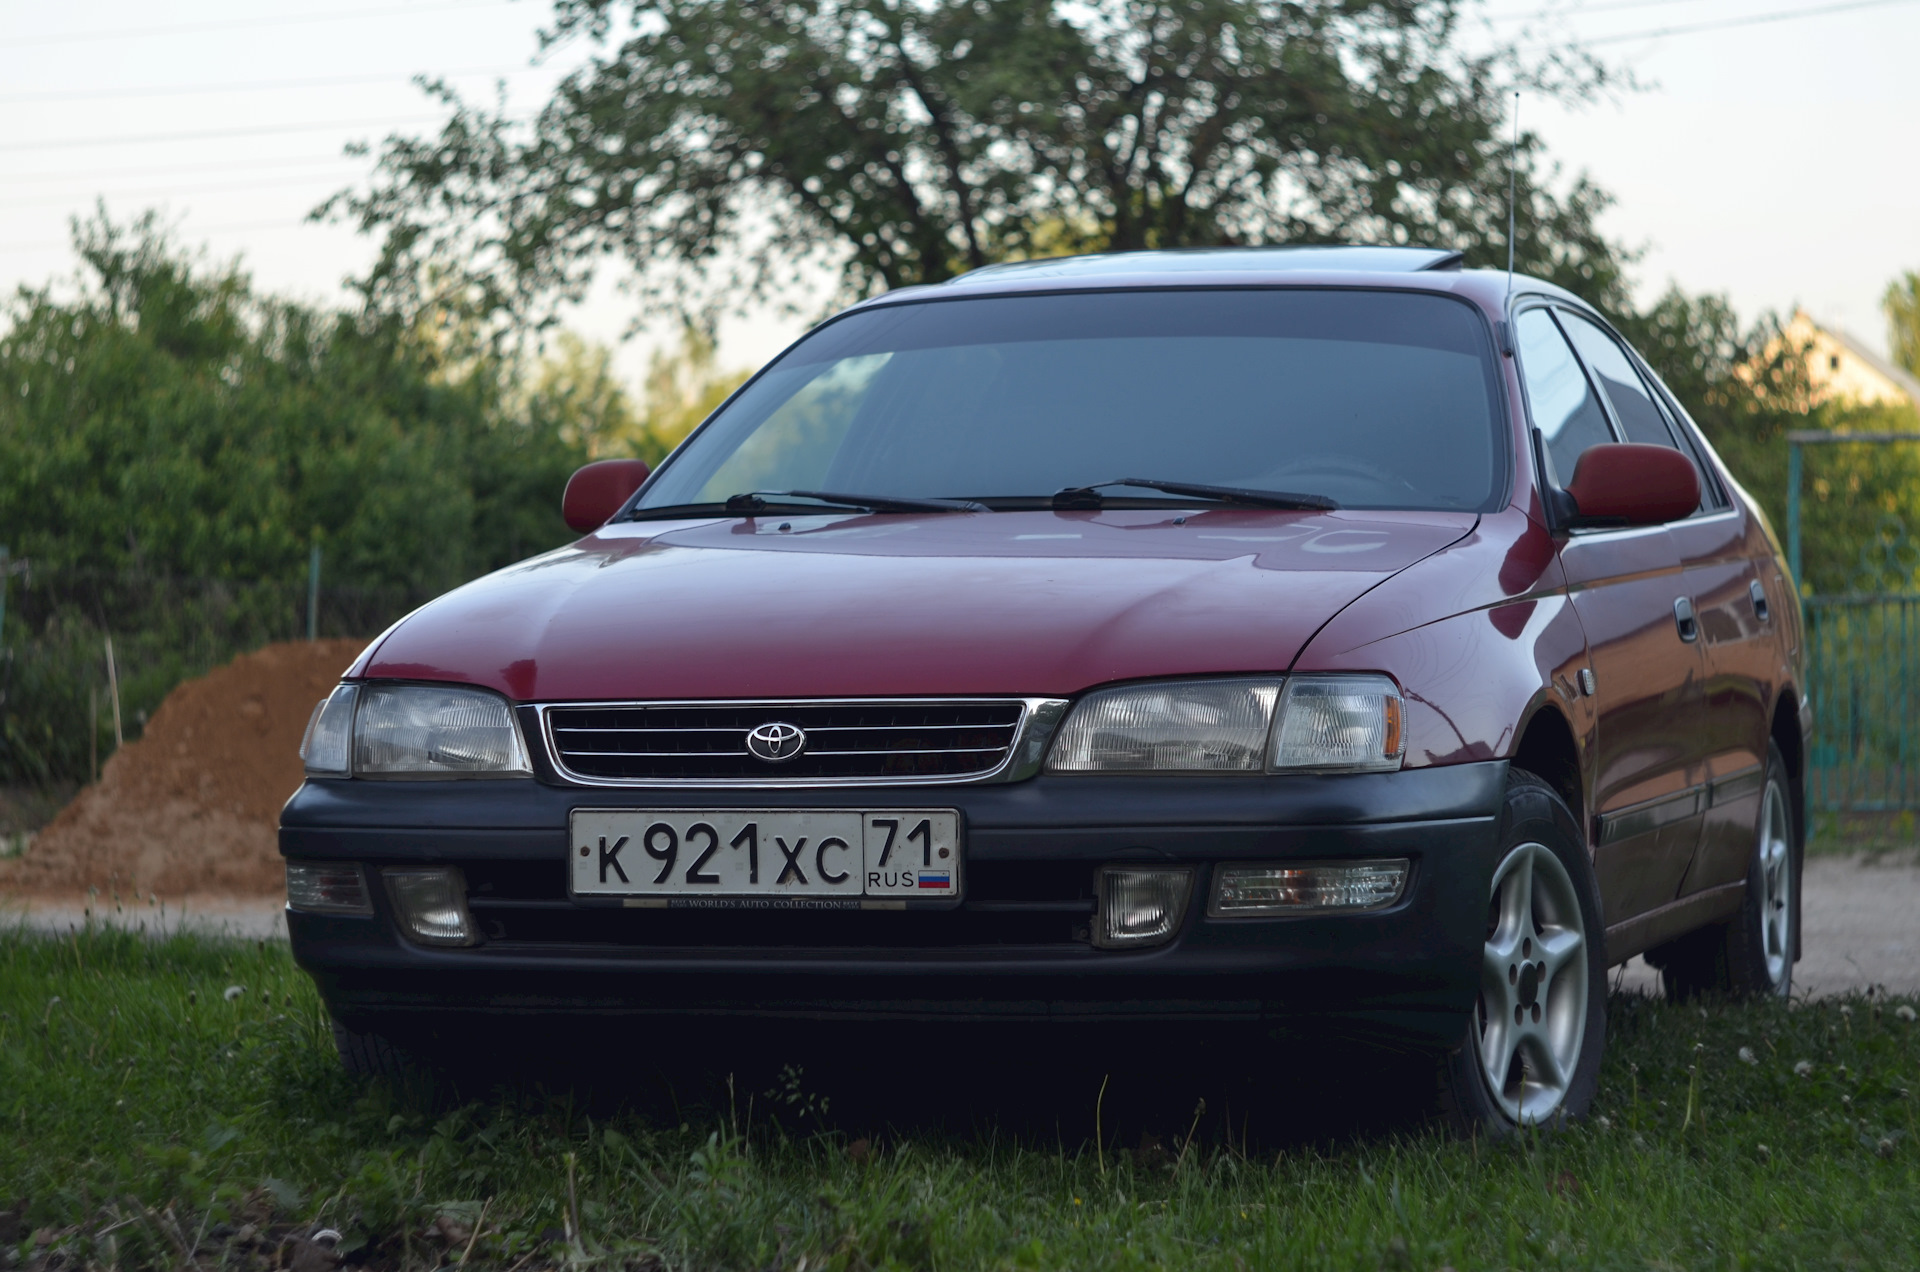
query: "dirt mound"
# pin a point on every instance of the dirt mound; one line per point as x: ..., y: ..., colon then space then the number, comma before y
x: 192, y: 806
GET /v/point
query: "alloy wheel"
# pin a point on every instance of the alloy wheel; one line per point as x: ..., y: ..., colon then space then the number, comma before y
x: 1532, y: 1015
x: 1776, y: 887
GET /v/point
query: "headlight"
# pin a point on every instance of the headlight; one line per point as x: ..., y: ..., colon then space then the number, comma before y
x: 426, y: 730
x: 413, y: 731
x: 1179, y: 726
x: 1319, y: 723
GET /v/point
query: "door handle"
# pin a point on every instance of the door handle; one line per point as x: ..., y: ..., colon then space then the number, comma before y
x: 1758, y: 595
x: 1684, y: 620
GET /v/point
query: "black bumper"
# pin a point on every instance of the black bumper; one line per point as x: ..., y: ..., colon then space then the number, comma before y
x: 1409, y: 971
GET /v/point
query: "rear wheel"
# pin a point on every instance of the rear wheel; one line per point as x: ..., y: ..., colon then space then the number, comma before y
x: 1750, y: 955
x: 1531, y: 1056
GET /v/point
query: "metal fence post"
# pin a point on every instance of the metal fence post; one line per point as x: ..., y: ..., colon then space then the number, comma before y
x: 313, y: 592
x: 1793, y: 510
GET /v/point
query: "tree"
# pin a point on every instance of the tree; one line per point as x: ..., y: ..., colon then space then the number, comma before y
x: 1747, y: 387
x: 1902, y: 304
x: 717, y: 144
x: 172, y: 441
x: 683, y: 387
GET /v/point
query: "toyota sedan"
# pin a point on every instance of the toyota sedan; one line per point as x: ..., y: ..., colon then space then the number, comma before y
x: 1334, y: 638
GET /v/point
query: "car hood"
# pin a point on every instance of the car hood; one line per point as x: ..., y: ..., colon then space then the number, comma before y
x: 1041, y: 603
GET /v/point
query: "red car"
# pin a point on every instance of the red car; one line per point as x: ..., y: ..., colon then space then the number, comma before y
x: 1315, y: 635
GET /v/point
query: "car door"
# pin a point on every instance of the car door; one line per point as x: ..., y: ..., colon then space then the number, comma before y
x: 1733, y: 606
x: 1647, y: 669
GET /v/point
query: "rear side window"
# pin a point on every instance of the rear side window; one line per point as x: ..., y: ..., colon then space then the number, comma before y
x: 1641, y: 416
x: 1564, y: 407
x: 1633, y: 405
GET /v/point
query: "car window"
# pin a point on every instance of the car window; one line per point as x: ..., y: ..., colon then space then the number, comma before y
x: 1641, y: 415
x: 1375, y: 399
x: 1684, y: 428
x: 1633, y: 405
x: 1564, y: 407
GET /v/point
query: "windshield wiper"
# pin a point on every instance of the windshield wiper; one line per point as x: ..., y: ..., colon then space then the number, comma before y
x: 872, y: 503
x: 1089, y: 496
x: 758, y: 502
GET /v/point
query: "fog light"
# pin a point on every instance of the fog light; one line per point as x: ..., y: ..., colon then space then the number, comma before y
x: 432, y: 905
x: 327, y: 887
x: 1240, y: 891
x: 1139, y: 906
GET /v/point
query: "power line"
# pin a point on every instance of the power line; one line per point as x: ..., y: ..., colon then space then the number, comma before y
x: 1722, y: 24
x: 175, y: 169
x: 141, y: 139
x: 194, y: 90
x: 1581, y: 11
x: 246, y: 227
x: 170, y: 191
x: 235, y: 24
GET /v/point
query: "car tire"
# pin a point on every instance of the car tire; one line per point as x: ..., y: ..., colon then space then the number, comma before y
x: 1533, y: 1041
x: 1750, y: 955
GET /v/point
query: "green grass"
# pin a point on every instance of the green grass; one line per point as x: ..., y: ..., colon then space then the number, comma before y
x: 1875, y: 836
x: 146, y: 1120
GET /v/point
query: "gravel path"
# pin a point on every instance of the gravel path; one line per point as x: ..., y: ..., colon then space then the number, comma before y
x: 1862, y: 917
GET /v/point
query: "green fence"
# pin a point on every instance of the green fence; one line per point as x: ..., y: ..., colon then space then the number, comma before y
x: 1864, y: 678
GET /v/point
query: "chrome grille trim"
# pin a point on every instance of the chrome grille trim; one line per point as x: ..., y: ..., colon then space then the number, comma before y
x: 1021, y: 759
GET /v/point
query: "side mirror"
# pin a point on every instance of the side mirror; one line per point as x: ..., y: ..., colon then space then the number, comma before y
x: 1626, y: 483
x: 596, y: 492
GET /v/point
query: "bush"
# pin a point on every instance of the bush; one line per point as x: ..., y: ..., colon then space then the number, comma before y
x: 172, y: 443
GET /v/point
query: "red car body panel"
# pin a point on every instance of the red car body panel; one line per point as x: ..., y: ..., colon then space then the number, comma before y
x: 1007, y: 603
x: 1506, y: 641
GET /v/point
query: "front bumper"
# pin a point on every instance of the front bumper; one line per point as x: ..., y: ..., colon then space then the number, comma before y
x: 1014, y: 950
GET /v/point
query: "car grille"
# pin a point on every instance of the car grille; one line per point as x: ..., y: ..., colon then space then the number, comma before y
x: 880, y: 739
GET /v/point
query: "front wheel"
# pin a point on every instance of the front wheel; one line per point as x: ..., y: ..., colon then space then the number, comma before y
x: 1531, y: 1056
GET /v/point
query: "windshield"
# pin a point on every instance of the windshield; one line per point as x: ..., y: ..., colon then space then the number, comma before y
x: 1371, y: 399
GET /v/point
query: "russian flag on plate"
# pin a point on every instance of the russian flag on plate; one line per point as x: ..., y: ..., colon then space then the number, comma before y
x: 936, y: 878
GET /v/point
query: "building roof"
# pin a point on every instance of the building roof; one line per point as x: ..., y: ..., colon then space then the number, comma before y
x: 1840, y: 365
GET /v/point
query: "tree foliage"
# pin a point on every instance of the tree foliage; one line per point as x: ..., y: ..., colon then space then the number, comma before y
x: 166, y: 417
x: 1902, y: 305
x: 172, y: 442
x: 906, y: 142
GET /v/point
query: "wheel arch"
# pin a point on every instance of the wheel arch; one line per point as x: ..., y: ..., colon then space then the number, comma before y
x: 1785, y: 734
x: 1547, y: 750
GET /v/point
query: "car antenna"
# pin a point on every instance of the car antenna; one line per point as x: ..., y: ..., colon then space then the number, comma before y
x: 1513, y: 162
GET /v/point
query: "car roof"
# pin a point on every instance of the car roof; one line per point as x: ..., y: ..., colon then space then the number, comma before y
x: 1224, y: 260
x: 1421, y: 268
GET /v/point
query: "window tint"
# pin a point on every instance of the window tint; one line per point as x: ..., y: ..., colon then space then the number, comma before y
x: 1564, y: 408
x: 1640, y: 418
x: 1375, y: 399
x: 1688, y: 433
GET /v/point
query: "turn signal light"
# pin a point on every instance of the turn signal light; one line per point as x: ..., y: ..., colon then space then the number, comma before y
x: 432, y: 905
x: 1139, y: 905
x: 328, y: 887
x: 1250, y: 891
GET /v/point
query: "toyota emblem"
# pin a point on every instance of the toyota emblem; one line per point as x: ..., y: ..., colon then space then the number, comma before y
x: 776, y: 743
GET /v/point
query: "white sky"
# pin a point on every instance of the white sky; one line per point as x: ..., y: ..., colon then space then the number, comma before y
x: 1773, y: 161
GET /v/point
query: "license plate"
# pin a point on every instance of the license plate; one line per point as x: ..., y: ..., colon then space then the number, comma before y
x: 735, y: 858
